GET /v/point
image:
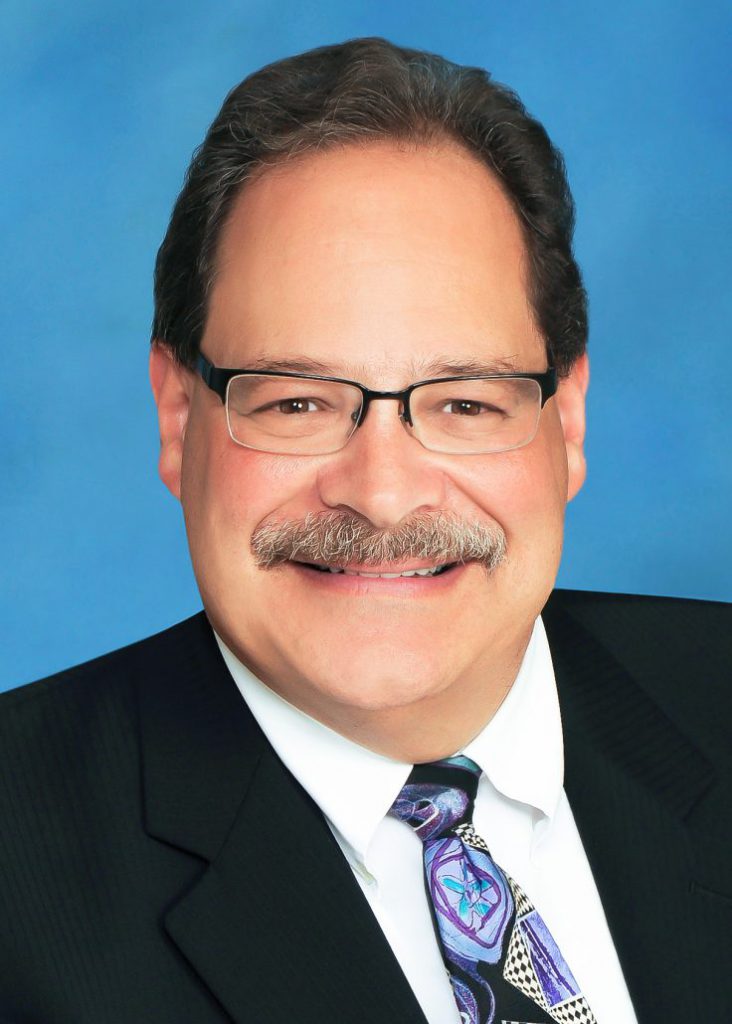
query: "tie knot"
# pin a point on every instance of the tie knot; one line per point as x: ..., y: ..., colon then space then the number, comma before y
x: 439, y: 796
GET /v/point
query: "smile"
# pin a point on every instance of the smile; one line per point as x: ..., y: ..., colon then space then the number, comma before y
x: 425, y: 571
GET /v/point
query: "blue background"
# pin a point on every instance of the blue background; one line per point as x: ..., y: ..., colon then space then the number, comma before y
x: 102, y: 104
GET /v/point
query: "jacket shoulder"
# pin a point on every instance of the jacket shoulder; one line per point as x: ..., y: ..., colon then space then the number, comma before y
x: 666, y: 627
x: 640, y: 603
x: 678, y: 649
x: 71, y: 718
x: 109, y: 668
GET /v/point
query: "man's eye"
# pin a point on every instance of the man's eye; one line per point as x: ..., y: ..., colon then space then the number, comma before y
x: 297, y: 405
x: 290, y: 406
x: 468, y: 407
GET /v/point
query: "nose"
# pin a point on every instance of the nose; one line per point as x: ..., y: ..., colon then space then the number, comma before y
x: 383, y: 473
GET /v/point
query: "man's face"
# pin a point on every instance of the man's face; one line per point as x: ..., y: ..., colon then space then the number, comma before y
x: 379, y: 263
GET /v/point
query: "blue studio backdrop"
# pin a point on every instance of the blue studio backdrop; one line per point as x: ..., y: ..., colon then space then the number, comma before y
x: 102, y: 105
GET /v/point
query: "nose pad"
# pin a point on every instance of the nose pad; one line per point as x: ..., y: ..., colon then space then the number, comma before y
x: 402, y: 414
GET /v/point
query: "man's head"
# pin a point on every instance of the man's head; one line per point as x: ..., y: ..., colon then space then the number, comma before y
x: 382, y: 216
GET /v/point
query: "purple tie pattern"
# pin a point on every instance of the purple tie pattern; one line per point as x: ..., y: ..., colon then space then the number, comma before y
x: 503, y: 964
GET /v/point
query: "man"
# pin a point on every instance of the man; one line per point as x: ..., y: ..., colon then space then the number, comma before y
x: 363, y: 786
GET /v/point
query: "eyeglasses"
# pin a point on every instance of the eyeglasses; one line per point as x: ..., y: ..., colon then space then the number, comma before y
x: 299, y: 414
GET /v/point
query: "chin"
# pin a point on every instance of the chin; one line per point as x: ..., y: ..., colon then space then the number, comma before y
x: 370, y: 684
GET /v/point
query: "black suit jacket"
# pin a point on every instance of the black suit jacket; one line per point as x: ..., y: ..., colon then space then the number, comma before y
x: 158, y: 863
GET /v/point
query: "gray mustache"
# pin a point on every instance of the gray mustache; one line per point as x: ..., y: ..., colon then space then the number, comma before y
x: 342, y: 538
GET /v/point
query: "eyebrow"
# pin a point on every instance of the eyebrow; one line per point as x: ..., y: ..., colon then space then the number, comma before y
x: 436, y: 368
x: 298, y: 364
x: 470, y: 367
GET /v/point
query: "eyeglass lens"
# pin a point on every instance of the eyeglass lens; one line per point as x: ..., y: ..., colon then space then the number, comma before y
x: 306, y: 416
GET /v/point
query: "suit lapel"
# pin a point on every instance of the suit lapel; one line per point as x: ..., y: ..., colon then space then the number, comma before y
x: 633, y: 781
x: 275, y: 926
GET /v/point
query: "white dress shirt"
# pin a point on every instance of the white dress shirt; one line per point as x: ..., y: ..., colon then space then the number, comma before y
x: 521, y: 811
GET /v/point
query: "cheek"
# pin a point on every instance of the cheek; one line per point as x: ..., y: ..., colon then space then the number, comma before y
x: 228, y: 490
x: 523, y: 491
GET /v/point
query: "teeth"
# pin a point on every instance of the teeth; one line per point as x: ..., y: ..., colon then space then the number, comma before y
x: 430, y: 571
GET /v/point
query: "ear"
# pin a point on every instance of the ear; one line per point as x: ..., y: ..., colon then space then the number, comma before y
x: 570, y: 399
x: 171, y: 385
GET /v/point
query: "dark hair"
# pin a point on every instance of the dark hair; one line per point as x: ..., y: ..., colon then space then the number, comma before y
x: 361, y: 90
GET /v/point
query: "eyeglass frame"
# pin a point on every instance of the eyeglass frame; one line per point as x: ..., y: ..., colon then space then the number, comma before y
x: 217, y: 378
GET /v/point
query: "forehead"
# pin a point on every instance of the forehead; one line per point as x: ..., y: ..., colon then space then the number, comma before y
x: 373, y: 258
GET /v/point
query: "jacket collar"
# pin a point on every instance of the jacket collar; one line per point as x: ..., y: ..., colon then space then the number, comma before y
x: 607, y: 708
x: 200, y: 745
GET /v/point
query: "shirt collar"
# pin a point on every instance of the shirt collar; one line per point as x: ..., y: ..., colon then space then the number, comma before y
x: 519, y: 750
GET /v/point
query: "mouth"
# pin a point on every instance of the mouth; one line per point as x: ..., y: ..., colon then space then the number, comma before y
x: 424, y: 572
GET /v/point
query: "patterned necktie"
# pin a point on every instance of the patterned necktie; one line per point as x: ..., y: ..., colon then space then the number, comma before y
x: 504, y: 966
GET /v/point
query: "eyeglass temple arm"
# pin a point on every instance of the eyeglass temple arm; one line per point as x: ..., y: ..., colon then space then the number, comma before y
x: 213, y: 377
x: 548, y: 382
